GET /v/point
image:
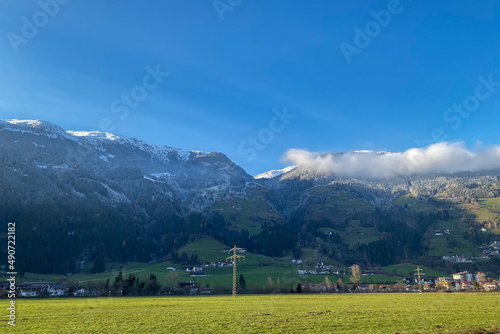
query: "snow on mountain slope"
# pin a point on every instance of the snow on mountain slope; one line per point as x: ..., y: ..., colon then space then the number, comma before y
x: 94, y: 162
x: 94, y: 135
x: 94, y: 139
x: 273, y: 173
x: 34, y: 126
x: 97, y: 138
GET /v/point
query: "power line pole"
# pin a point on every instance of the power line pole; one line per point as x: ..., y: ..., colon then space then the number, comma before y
x: 234, y: 258
x: 419, y: 280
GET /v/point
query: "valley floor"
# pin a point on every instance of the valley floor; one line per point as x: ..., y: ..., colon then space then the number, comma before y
x: 296, y: 313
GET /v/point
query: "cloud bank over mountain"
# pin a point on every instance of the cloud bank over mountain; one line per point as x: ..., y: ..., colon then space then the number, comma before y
x: 444, y: 157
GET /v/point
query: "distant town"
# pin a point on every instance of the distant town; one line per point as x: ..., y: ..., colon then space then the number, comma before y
x: 459, y: 282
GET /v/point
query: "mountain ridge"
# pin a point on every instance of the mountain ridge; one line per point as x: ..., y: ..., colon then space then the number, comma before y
x: 128, y: 200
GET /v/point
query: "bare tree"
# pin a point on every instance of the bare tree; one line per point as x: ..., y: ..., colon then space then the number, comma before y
x: 328, y: 284
x: 172, y: 278
x: 269, y: 285
x: 399, y: 286
x: 278, y: 283
x: 340, y: 284
x: 355, y: 274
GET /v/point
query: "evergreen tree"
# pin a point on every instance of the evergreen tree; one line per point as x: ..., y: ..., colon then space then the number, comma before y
x: 242, y: 283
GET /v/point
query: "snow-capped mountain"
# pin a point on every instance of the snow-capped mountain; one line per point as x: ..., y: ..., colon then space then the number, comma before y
x: 36, y: 152
x: 45, y: 160
x: 81, y: 194
x: 273, y: 173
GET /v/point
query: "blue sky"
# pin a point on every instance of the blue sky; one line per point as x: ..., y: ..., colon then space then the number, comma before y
x: 227, y: 76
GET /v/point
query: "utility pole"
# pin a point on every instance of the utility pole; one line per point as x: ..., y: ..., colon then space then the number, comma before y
x: 419, y: 279
x: 234, y: 258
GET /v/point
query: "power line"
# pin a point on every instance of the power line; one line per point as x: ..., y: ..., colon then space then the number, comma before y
x: 419, y: 280
x: 234, y: 258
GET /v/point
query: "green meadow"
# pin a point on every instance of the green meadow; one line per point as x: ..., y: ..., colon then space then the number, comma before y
x: 292, y: 313
x: 255, y: 268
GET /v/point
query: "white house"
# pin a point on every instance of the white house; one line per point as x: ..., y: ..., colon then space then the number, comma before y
x: 56, y: 290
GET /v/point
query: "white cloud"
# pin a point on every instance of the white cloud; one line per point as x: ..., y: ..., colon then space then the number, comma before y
x: 442, y: 157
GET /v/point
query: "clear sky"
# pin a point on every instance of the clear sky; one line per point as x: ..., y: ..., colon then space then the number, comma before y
x: 350, y: 75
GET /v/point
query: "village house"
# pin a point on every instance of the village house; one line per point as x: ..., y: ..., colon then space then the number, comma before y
x: 467, y: 286
x: 424, y: 280
x: 29, y: 291
x: 313, y: 287
x: 241, y: 250
x: 410, y: 288
x: 490, y: 286
x: 198, y: 274
x: 363, y: 287
x: 82, y: 292
x: 37, y: 289
x: 491, y: 249
x: 457, y: 259
x: 447, y: 283
x: 206, y: 291
x: 319, y: 265
x: 384, y: 288
x: 189, y: 286
x: 465, y: 276
x: 219, y: 264
x: 56, y: 290
x: 4, y: 286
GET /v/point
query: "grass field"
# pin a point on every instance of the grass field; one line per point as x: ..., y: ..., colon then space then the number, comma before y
x: 337, y: 199
x: 438, y: 245
x: 492, y: 204
x: 413, y: 203
x: 327, y: 200
x: 256, y: 269
x: 294, y: 313
x: 457, y: 227
x: 489, y: 212
x: 408, y: 270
